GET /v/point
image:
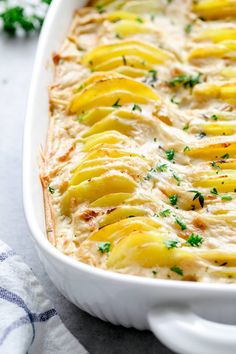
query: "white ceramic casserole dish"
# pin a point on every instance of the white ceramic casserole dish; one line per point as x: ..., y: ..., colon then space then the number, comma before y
x: 175, y: 311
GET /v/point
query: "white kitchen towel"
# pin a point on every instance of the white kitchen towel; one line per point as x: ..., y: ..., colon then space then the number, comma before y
x: 28, y: 322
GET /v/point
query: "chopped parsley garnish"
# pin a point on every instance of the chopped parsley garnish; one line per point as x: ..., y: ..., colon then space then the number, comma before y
x: 214, y: 117
x: 177, y: 178
x: 100, y: 9
x: 187, y: 81
x: 162, y: 168
x: 226, y: 198
x: 51, y: 189
x: 116, y: 104
x: 155, y: 140
x: 198, y: 196
x: 195, y: 240
x: 186, y: 148
x: 177, y: 270
x: 171, y: 243
x: 154, y: 272
x: 214, y: 165
x: 139, y: 19
x: 124, y: 60
x: 173, y: 199
x: 186, y: 126
x: 165, y: 213
x: 104, y: 247
x: 119, y: 36
x: 173, y: 100
x: 153, y: 72
x: 225, y: 156
x: 136, y: 107
x: 214, y: 191
x: 188, y: 28
x: 152, y: 17
x: 182, y: 225
x: 170, y: 154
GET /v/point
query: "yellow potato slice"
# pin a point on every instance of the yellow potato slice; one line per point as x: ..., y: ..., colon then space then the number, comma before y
x: 94, y: 115
x: 134, y: 51
x: 112, y: 122
x: 121, y: 15
x: 140, y: 7
x: 146, y: 249
x: 219, y: 128
x: 214, y: 50
x: 96, y: 188
x: 223, y: 183
x: 225, y: 91
x: 212, y: 151
x: 217, y: 35
x: 215, y: 9
x: 85, y: 174
x: 122, y: 212
x: 114, y: 232
x: 111, y: 137
x: 110, y: 91
x: 125, y: 28
x: 112, y: 199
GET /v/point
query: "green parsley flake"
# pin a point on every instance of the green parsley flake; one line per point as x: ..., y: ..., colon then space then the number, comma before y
x: 100, y: 9
x: 136, y: 107
x: 154, y: 272
x: 186, y: 148
x: 225, y: 156
x: 188, y: 28
x: 214, y: 191
x: 171, y: 243
x: 177, y: 178
x: 226, y: 198
x: 51, y: 189
x: 182, y: 225
x: 162, y: 168
x: 214, y: 117
x: 165, y: 213
x: 173, y: 100
x: 116, y: 104
x: 186, y: 126
x: 124, y: 60
x: 170, y: 154
x: 173, y: 199
x: 198, y: 196
x: 104, y: 247
x: 153, y: 72
x: 187, y: 81
x: 194, y: 240
x: 139, y: 19
x: 177, y: 270
x: 214, y: 165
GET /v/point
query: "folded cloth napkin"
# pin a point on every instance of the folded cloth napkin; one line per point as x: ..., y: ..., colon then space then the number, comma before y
x: 28, y: 322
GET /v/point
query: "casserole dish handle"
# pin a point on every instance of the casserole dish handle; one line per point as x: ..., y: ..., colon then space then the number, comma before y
x: 187, y: 333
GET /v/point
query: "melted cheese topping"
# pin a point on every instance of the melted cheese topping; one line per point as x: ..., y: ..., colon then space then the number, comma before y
x: 140, y: 168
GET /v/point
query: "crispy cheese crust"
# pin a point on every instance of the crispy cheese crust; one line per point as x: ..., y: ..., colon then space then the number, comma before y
x: 139, y: 173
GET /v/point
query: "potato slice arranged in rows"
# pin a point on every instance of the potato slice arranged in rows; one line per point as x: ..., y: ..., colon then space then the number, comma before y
x: 110, y: 137
x: 212, y: 151
x: 225, y: 91
x: 215, y: 9
x: 223, y: 50
x: 111, y: 91
x: 146, y: 249
x: 95, y: 188
x: 137, y: 51
x: 217, y: 34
